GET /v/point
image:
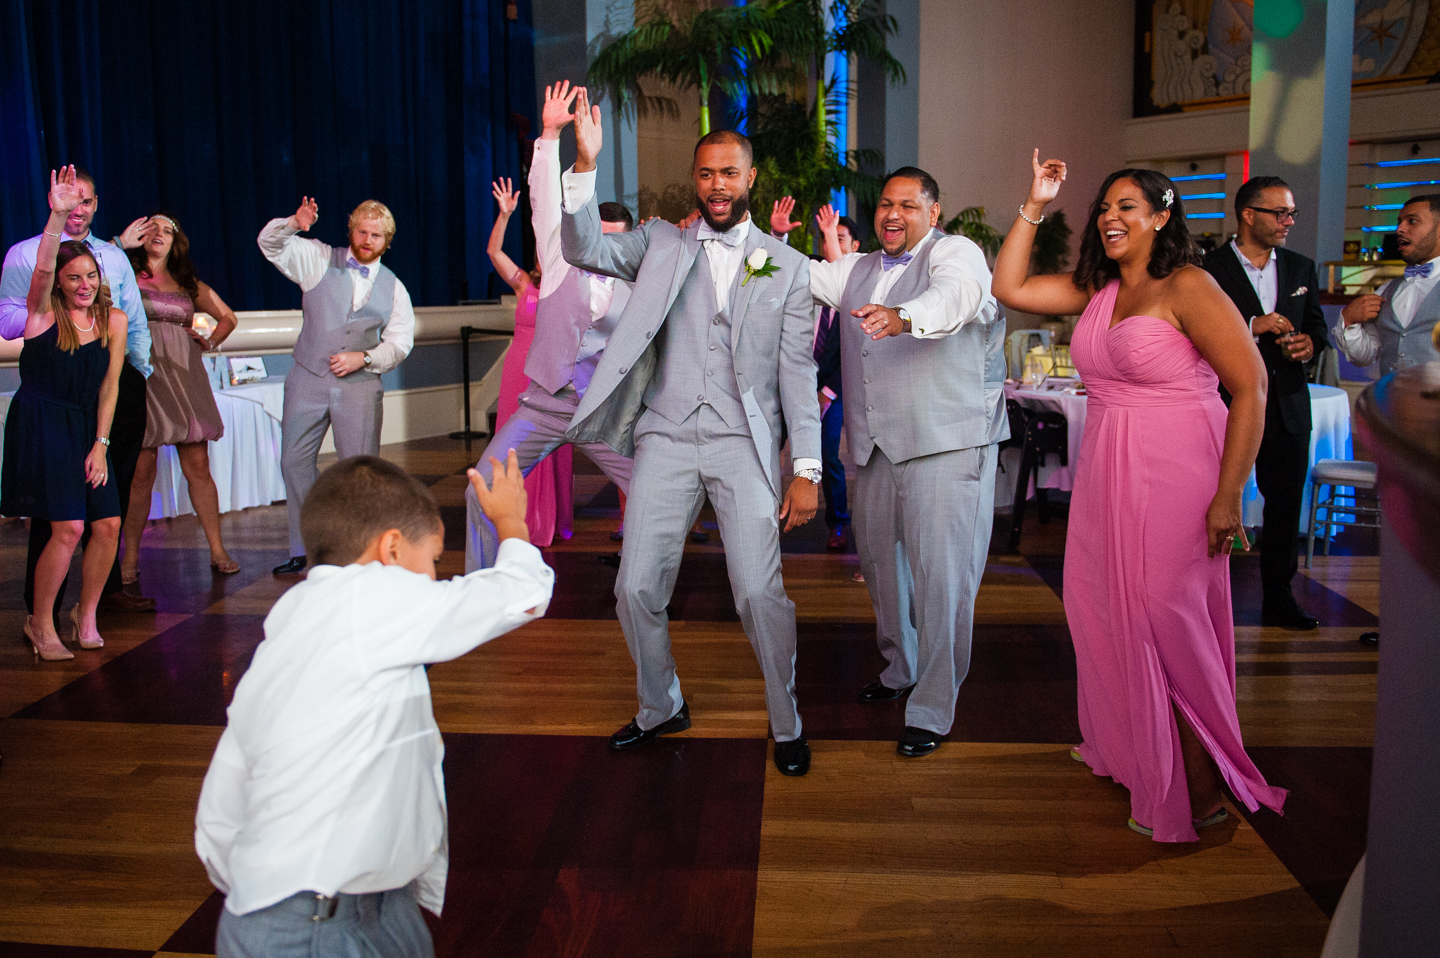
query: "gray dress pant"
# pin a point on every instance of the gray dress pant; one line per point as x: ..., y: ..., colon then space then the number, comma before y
x: 676, y: 468
x: 352, y: 407
x: 922, y: 528
x: 379, y: 925
x: 535, y: 430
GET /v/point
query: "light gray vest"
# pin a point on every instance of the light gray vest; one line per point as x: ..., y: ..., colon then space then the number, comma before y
x: 696, y: 364
x: 1411, y: 343
x: 567, y: 344
x: 916, y: 397
x: 331, y: 326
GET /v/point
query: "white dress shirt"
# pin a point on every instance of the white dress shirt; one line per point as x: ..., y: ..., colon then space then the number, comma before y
x: 959, y: 291
x: 304, y: 261
x: 724, y: 261
x: 328, y: 776
x: 545, y: 210
x: 1361, y: 341
x: 1265, y: 279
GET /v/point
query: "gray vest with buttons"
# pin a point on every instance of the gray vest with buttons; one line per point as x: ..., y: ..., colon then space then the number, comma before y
x: 1407, y: 345
x: 567, y: 344
x: 331, y: 326
x: 696, y: 364
x: 917, y: 397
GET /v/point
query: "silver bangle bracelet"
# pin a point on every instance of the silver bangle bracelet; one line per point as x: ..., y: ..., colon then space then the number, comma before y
x: 1028, y: 219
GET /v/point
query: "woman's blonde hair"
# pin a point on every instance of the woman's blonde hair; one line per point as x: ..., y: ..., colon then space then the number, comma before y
x: 67, y: 336
x: 375, y: 210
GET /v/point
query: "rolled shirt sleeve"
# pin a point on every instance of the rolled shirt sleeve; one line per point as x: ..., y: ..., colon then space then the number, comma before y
x: 301, y: 260
x: 577, y: 188
x: 1360, y: 342
x: 959, y: 290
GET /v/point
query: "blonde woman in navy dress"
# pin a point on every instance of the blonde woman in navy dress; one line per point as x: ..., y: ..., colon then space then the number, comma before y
x: 57, y: 433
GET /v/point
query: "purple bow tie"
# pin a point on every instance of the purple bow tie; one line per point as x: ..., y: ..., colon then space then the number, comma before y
x: 1422, y: 270
x: 355, y: 264
x: 888, y: 262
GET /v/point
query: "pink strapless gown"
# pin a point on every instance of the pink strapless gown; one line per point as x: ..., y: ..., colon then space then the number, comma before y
x: 550, y: 485
x: 1149, y: 612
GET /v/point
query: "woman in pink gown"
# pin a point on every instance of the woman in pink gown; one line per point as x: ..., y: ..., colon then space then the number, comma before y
x: 549, y: 485
x: 1156, y: 503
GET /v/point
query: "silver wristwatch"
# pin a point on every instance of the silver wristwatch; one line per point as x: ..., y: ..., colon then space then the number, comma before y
x: 811, y: 474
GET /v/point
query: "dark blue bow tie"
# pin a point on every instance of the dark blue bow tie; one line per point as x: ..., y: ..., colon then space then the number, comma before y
x: 888, y: 262
x: 355, y: 264
x: 1422, y: 270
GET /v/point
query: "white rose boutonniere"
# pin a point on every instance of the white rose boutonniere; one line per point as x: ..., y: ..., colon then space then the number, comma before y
x: 758, y: 264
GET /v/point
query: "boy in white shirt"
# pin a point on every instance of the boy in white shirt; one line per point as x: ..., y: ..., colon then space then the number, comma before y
x: 322, y: 816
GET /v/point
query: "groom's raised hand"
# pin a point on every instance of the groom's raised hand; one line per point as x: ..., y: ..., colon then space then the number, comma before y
x: 588, y: 134
x: 556, y: 112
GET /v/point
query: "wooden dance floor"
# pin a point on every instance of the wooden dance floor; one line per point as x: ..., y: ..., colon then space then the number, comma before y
x: 998, y: 844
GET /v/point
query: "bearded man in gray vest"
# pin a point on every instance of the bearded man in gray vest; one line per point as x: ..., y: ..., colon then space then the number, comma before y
x: 573, y: 321
x: 712, y: 350
x: 923, y: 372
x: 358, y: 324
x: 1394, y: 325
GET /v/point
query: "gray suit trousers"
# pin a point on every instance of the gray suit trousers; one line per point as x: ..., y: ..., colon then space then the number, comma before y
x: 313, y: 404
x: 535, y: 430
x: 676, y: 468
x: 382, y: 924
x: 922, y: 528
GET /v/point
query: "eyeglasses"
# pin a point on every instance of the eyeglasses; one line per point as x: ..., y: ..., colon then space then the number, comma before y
x: 1281, y: 214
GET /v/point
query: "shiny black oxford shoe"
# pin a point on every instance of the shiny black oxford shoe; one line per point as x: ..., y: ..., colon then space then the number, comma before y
x: 793, y: 757
x: 293, y: 566
x: 878, y: 691
x: 917, y: 742
x: 633, y: 736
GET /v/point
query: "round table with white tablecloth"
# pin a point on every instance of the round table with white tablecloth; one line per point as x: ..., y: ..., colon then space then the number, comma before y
x: 1329, y: 439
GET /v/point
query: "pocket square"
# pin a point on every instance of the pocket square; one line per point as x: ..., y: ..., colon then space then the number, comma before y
x: 1301, y: 291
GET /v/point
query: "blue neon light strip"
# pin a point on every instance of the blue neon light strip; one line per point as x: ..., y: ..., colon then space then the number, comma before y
x: 1203, y: 196
x: 1377, y: 229
x: 1400, y: 186
x: 1204, y: 216
x: 1384, y: 206
x: 1197, y: 176
x: 1387, y: 164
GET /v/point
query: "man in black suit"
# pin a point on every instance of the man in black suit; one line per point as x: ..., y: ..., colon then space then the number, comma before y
x: 1277, y: 291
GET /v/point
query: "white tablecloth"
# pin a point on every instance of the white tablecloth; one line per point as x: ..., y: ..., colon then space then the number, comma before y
x: 245, y: 461
x: 1329, y: 439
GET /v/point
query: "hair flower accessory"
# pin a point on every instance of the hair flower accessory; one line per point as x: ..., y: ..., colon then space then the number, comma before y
x: 1169, y: 198
x: 758, y: 264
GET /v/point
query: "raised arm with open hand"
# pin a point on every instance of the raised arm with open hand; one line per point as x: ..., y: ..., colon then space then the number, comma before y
x: 555, y: 114
x: 137, y: 233
x: 508, y: 199
x: 1012, y: 283
x: 780, y: 216
x: 589, y: 136
x: 64, y: 197
x: 306, y: 215
x: 829, y: 223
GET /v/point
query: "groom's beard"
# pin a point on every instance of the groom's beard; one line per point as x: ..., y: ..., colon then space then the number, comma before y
x: 739, y: 207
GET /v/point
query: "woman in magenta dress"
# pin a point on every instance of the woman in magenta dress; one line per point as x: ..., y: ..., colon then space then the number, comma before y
x: 549, y: 485
x: 1156, y: 503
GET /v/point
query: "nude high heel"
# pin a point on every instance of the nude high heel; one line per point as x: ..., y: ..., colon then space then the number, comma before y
x: 84, y: 643
x: 48, y: 655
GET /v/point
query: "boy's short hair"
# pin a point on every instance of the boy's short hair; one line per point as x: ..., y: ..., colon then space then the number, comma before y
x: 360, y: 498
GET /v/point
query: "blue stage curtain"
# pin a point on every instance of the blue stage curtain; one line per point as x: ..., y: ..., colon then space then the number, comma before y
x: 227, y: 112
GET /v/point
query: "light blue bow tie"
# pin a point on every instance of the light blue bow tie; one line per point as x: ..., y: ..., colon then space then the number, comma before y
x: 730, y: 237
x: 888, y: 262
x: 355, y: 264
x: 1422, y: 270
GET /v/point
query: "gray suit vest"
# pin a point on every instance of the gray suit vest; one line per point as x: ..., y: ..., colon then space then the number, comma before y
x: 696, y: 364
x: 1412, y: 343
x: 565, y: 336
x: 916, y: 397
x: 331, y: 325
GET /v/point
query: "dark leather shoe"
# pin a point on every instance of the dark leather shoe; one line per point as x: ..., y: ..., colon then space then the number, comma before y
x: 917, y: 742
x: 699, y: 535
x: 633, y: 736
x: 793, y: 757
x: 293, y: 566
x: 1370, y: 638
x: 613, y: 561
x: 1290, y: 617
x: 125, y: 602
x: 878, y: 691
x: 838, y: 537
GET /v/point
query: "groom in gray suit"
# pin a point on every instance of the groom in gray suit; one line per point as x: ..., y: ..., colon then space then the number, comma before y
x: 711, y: 352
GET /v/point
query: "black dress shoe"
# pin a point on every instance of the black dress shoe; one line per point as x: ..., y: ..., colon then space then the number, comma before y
x: 917, y: 742
x: 1290, y: 617
x: 613, y: 561
x: 294, y: 565
x: 793, y: 757
x: 633, y: 736
x: 1370, y: 638
x: 878, y: 691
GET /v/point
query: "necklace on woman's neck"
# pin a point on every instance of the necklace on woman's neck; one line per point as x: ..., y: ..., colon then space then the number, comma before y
x: 88, y: 329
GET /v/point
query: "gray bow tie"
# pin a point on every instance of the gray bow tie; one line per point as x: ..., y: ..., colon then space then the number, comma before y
x: 730, y: 237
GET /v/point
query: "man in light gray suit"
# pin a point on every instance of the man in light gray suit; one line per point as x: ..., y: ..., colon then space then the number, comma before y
x: 712, y: 351
x: 922, y: 370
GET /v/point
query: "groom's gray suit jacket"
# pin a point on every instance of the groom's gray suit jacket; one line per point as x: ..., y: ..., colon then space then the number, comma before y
x: 771, y: 331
